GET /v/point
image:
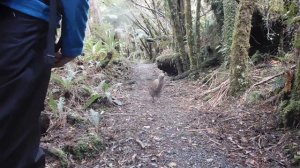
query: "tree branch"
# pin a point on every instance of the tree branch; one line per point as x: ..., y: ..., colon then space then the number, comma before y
x: 158, y: 12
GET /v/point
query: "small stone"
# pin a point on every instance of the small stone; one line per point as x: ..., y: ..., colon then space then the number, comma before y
x: 172, y: 164
x: 209, y: 160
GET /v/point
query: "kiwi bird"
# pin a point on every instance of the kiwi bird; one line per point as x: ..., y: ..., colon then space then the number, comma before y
x: 156, y: 86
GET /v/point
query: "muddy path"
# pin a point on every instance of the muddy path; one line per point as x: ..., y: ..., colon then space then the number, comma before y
x: 161, y: 134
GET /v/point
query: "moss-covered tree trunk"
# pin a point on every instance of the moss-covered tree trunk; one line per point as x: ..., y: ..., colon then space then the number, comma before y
x: 197, y: 34
x: 296, y: 87
x: 240, y: 47
x: 290, y: 109
x: 190, y: 36
x: 178, y: 36
x: 181, y: 15
x: 229, y: 7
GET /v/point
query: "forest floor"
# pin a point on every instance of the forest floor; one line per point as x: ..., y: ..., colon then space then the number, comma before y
x: 182, y: 130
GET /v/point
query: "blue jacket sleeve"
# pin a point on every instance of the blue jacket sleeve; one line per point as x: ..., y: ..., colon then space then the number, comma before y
x: 74, y: 20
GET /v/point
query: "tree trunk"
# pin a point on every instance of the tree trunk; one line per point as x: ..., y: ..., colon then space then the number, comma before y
x: 179, y: 37
x: 180, y: 13
x: 197, y: 34
x: 240, y: 47
x: 94, y: 10
x: 228, y: 26
x: 190, y: 37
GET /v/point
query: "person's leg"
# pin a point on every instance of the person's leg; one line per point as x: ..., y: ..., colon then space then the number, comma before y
x: 24, y: 79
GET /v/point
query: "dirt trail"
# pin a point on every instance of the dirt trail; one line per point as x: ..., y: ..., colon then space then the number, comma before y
x: 160, y: 134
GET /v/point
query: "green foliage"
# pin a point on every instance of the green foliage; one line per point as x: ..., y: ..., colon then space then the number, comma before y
x: 94, y: 96
x: 101, y: 42
x: 68, y: 80
x: 56, y: 106
x: 52, y: 104
x: 65, y: 83
x: 95, y: 93
x: 276, y: 6
x: 98, y: 32
x: 92, y: 99
x: 94, y: 50
x: 97, y: 51
x: 292, y: 10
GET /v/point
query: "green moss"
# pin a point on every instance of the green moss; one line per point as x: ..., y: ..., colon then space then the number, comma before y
x: 255, y: 97
x: 75, y: 119
x: 290, y: 113
x: 228, y: 27
x: 61, y: 155
x: 297, y: 40
x: 89, y: 146
x: 167, y: 58
x: 239, y: 49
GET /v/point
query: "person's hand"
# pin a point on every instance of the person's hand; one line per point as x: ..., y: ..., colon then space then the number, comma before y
x: 61, y: 60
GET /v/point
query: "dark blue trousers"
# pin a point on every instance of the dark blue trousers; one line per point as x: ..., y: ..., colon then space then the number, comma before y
x: 24, y: 78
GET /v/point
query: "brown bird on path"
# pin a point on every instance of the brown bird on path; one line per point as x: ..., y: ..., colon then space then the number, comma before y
x: 156, y: 86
